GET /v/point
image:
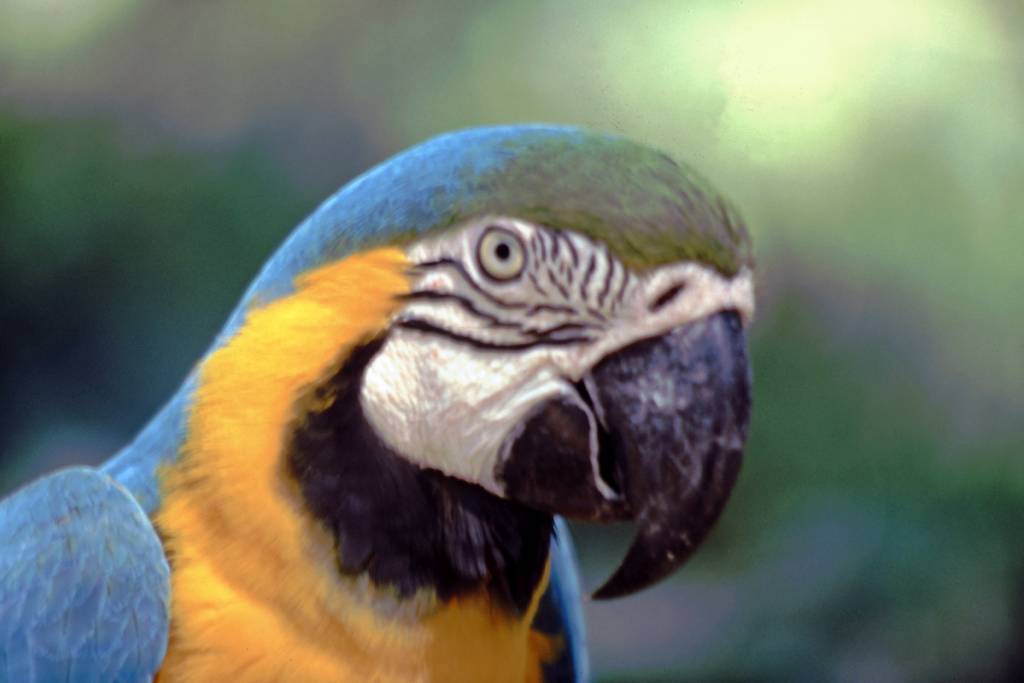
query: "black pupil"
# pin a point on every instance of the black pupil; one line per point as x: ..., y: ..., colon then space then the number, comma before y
x: 502, y: 251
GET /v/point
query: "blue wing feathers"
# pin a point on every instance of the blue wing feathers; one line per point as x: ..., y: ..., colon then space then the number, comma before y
x: 561, y: 612
x: 84, y: 584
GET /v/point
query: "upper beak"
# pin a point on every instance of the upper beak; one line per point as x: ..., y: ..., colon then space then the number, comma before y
x: 656, y: 435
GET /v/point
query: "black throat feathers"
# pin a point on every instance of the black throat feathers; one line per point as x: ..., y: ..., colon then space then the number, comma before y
x: 407, y: 527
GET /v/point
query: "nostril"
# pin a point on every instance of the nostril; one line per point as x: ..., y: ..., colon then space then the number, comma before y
x: 667, y: 296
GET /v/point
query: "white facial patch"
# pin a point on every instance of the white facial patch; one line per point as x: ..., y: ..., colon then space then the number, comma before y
x: 470, y: 356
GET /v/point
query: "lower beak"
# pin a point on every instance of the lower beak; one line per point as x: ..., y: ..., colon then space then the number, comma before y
x: 656, y: 435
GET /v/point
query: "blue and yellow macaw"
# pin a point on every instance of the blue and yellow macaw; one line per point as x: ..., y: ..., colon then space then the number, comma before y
x: 361, y: 480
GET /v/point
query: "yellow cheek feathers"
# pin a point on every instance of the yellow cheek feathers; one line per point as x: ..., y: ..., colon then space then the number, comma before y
x: 254, y: 584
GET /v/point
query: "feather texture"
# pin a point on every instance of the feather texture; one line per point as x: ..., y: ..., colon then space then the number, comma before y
x: 84, y: 584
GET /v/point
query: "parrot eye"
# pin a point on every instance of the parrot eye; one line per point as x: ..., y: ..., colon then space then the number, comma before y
x: 501, y: 254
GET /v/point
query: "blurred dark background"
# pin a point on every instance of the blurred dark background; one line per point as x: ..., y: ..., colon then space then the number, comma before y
x: 152, y: 155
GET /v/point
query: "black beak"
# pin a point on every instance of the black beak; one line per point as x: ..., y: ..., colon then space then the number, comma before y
x: 671, y: 422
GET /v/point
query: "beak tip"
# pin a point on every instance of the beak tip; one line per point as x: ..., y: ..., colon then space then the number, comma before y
x: 609, y: 591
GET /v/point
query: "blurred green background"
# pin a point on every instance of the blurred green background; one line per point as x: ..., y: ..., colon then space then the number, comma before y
x: 152, y: 155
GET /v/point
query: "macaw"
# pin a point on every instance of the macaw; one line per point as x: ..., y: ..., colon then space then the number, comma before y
x: 364, y: 479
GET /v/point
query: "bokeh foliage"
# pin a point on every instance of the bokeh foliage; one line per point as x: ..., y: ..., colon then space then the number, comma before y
x: 152, y: 156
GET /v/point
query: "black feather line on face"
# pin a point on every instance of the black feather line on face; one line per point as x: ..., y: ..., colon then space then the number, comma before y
x: 556, y: 281
x: 538, y: 339
x: 586, y: 278
x: 536, y: 285
x: 406, y: 527
x: 464, y: 303
x: 607, y: 279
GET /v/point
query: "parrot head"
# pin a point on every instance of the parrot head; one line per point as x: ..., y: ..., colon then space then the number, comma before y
x: 570, y: 342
